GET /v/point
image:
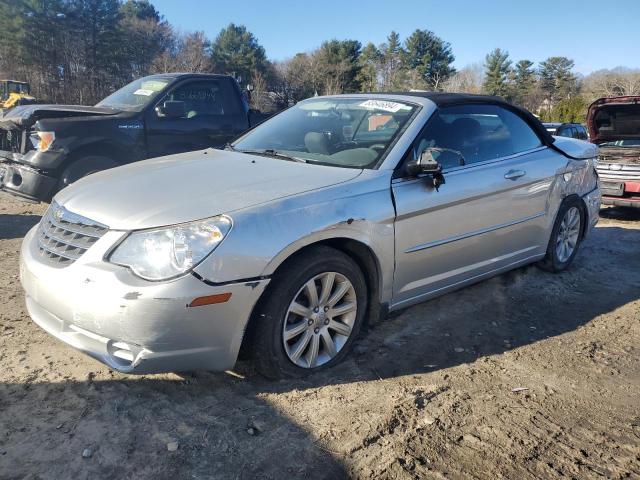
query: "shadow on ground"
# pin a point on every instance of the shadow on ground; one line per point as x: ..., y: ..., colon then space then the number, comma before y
x: 16, y: 226
x: 622, y: 214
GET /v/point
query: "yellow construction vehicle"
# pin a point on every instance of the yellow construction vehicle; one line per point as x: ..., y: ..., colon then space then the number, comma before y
x: 13, y: 93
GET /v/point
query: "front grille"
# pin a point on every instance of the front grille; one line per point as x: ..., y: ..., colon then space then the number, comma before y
x: 64, y: 236
x: 619, y: 172
x: 11, y: 140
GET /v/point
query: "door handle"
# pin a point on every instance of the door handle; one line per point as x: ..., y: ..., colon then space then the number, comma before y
x: 514, y: 174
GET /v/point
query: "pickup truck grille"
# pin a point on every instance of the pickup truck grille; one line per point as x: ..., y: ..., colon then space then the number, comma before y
x: 11, y: 140
x: 63, y: 236
x: 619, y: 171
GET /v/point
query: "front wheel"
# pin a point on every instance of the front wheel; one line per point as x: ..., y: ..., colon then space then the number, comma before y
x: 565, y: 236
x: 311, y: 314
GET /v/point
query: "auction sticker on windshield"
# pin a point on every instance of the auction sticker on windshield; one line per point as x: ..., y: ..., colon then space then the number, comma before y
x: 142, y: 91
x: 385, y: 105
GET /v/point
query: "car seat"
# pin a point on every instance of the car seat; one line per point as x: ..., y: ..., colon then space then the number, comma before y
x: 317, y: 142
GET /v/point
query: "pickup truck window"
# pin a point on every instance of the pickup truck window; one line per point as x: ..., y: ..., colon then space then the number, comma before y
x: 203, y: 98
x: 345, y: 132
x: 136, y: 95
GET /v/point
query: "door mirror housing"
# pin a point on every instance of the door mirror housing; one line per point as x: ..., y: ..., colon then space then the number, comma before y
x: 172, y: 109
x: 256, y: 117
x: 427, y: 164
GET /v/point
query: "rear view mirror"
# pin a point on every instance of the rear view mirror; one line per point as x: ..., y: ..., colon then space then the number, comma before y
x: 172, y: 109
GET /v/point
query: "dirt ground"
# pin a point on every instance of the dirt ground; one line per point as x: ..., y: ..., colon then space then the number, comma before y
x: 427, y: 394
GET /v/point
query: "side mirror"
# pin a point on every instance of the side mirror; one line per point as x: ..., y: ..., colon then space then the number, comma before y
x: 428, y: 164
x: 172, y: 109
x: 256, y: 117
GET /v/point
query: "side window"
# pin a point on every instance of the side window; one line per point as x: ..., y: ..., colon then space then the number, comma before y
x: 582, y: 133
x: 478, y: 132
x: 563, y: 132
x: 206, y: 98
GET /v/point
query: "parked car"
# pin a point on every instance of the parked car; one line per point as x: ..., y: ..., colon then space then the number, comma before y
x: 340, y: 208
x: 44, y: 148
x: 614, y: 125
x: 573, y: 130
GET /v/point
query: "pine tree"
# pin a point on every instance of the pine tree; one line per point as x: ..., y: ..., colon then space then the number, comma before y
x: 392, y: 71
x: 497, y: 69
x: 370, y: 59
x: 237, y: 51
x: 524, y: 82
x: 430, y: 57
x: 557, y: 79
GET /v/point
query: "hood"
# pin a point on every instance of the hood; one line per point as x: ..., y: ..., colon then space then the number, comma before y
x: 25, y: 116
x: 192, y: 186
x: 616, y: 118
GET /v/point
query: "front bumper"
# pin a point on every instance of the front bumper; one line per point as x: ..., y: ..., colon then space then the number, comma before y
x: 592, y: 200
x: 632, y: 202
x: 622, y: 193
x: 26, y: 182
x: 132, y: 325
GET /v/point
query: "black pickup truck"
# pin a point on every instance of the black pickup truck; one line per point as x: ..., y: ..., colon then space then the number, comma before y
x: 43, y: 148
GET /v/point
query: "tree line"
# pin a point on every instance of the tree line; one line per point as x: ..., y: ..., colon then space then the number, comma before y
x: 79, y: 51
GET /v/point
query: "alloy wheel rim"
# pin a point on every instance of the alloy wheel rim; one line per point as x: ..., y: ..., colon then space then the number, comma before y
x: 319, y: 320
x: 568, y: 234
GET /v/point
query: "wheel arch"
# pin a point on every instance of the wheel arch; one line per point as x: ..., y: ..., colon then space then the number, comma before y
x: 357, y: 250
x: 94, y: 149
x: 583, y: 207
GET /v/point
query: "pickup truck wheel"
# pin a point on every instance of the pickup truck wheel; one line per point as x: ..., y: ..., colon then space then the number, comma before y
x: 313, y: 312
x: 566, y: 236
x: 82, y: 167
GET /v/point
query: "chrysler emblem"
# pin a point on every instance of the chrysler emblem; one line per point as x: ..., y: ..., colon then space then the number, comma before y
x: 58, y: 214
x: 615, y: 166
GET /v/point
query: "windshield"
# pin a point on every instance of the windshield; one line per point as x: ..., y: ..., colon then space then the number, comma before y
x: 18, y: 88
x: 136, y: 95
x: 345, y: 132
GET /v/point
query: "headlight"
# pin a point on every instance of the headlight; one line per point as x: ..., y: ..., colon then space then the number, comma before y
x: 41, y: 141
x: 169, y: 252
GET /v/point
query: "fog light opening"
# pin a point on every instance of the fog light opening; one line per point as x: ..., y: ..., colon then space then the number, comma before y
x: 121, y: 353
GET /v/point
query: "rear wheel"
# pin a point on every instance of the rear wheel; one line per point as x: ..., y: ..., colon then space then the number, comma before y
x: 566, y: 236
x: 311, y: 314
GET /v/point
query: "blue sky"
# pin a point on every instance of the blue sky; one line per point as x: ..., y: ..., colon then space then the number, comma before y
x: 594, y: 33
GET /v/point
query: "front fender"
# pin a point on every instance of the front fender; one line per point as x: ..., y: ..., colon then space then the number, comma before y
x: 263, y: 237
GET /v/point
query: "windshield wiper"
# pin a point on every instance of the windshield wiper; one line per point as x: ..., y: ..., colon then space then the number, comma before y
x: 269, y: 152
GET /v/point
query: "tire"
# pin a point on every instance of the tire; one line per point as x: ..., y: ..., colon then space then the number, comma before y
x: 281, y: 328
x: 567, y: 230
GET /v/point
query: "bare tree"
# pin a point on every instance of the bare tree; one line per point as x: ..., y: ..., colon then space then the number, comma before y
x: 190, y: 54
x: 612, y: 83
x: 468, y: 80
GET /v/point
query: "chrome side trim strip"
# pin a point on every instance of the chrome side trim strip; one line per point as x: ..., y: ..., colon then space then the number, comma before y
x: 437, y: 243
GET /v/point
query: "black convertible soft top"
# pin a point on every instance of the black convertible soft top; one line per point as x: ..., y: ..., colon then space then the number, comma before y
x: 445, y: 99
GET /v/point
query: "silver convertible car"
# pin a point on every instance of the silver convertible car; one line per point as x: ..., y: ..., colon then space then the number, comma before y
x: 340, y: 209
